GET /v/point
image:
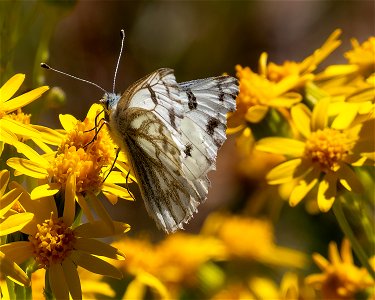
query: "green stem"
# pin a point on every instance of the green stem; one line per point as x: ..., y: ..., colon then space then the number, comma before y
x: 47, y: 287
x: 345, y: 227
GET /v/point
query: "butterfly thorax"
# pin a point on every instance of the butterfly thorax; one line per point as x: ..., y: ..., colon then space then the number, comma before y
x: 110, y: 101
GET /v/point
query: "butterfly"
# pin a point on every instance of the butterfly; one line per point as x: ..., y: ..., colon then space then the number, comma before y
x: 171, y: 133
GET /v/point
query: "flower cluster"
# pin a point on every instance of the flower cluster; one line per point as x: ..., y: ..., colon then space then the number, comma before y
x: 43, y: 228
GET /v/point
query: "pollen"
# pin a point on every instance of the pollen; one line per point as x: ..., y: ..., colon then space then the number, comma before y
x: 53, y: 242
x: 19, y: 116
x: 87, y: 153
x: 86, y: 166
x: 327, y: 147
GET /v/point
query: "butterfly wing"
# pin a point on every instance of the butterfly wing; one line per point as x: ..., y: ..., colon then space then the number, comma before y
x: 165, y: 140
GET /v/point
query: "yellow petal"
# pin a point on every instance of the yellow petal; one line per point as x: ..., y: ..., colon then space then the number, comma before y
x: 319, y: 117
x: 19, y: 128
x: 286, y: 171
x: 349, y: 179
x: 346, y: 252
x: 18, y: 251
x: 11, y: 87
x: 101, y: 211
x: 15, y: 223
x: 286, y: 100
x: 7, y: 136
x: 304, y: 186
x: 57, y: 282
x: 13, y: 271
x: 320, y: 261
x: 98, y: 248
x: 49, y: 135
x: 4, y: 179
x: 8, y: 200
x: 117, y: 190
x: 42, y: 207
x: 85, y: 207
x: 137, y: 288
x: 116, y: 177
x: 43, y: 146
x: 301, y: 116
x: 113, y: 199
x: 27, y: 167
x: 45, y: 190
x: 262, y: 64
x: 95, y: 264
x: 256, y: 113
x: 345, y: 118
x: 31, y: 154
x: 327, y: 192
x: 68, y: 122
x: 72, y: 278
x: 24, y: 99
x: 70, y: 195
x: 94, y: 110
x: 281, y: 146
x: 98, y: 229
x: 333, y: 253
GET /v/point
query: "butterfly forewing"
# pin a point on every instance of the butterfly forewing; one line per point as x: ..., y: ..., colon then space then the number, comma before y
x: 171, y: 133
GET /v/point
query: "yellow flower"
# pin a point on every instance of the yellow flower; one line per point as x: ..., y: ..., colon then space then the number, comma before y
x: 175, y: 261
x: 92, y: 284
x: 238, y: 235
x: 363, y: 55
x: 305, y: 68
x: 12, y: 271
x: 59, y: 248
x: 12, y: 125
x: 340, y: 279
x: 84, y: 156
x: 258, y: 94
x: 324, y: 156
x: 12, y: 216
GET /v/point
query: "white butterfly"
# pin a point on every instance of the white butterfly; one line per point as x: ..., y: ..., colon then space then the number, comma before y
x: 171, y: 133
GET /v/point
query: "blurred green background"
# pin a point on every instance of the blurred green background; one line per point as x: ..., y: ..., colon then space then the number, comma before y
x: 197, y: 39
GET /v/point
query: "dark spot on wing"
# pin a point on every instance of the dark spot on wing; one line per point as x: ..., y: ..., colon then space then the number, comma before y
x: 188, y: 149
x: 167, y: 89
x: 221, y: 92
x: 172, y: 117
x: 152, y: 93
x: 211, y: 125
x: 192, y: 100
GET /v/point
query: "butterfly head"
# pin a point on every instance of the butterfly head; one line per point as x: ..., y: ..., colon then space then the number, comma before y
x: 110, y: 100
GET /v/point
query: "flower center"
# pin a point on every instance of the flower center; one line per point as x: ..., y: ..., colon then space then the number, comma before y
x: 53, y: 242
x: 19, y: 116
x: 85, y: 156
x: 327, y: 147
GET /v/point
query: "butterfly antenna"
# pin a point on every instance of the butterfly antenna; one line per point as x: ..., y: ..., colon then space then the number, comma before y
x: 45, y: 66
x: 118, y: 60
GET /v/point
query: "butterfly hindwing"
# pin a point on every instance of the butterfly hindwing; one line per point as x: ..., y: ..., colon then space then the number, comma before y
x: 206, y: 103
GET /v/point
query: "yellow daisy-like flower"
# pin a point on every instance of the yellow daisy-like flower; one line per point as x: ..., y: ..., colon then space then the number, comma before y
x: 82, y: 154
x: 12, y: 216
x: 324, y: 156
x: 340, y: 279
x: 12, y: 125
x: 59, y: 248
x: 363, y: 55
x: 276, y: 72
x: 258, y: 94
x: 238, y: 235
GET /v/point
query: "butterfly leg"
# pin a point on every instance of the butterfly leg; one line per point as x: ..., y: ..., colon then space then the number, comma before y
x: 113, y: 164
x: 96, y: 123
x: 97, y: 132
x: 127, y: 185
